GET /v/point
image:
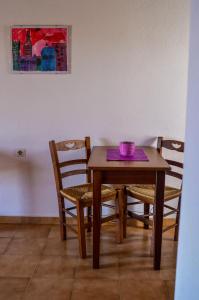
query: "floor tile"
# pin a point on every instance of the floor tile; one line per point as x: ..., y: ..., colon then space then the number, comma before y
x: 7, y: 230
x: 58, y: 247
x: 4, y: 243
x: 55, y: 232
x: 12, y: 288
x: 18, y: 265
x: 137, y: 247
x: 56, y: 266
x: 168, y: 262
x: 98, y: 289
x: 171, y: 287
x: 32, y: 231
x: 108, y: 268
x: 109, y: 231
x: 24, y: 246
x: 142, y: 268
x: 169, y: 247
x: 49, y: 288
x: 143, y: 290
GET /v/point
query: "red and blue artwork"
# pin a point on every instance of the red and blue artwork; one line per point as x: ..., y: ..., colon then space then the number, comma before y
x: 40, y: 49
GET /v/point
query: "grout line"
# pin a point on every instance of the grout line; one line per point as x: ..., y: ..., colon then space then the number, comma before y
x: 119, y: 286
x: 4, y: 252
x: 29, y: 281
x: 71, y: 292
x: 36, y: 267
x: 24, y: 292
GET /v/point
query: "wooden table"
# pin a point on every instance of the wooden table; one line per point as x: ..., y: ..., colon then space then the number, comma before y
x: 128, y: 172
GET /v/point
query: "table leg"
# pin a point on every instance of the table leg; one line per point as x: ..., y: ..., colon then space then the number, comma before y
x: 96, y: 217
x: 158, y: 218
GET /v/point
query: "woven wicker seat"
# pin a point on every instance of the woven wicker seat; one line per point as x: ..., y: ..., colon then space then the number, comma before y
x: 146, y: 193
x: 84, y: 193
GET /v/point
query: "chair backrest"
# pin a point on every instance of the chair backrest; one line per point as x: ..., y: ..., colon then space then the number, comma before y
x: 172, y: 145
x: 69, y: 145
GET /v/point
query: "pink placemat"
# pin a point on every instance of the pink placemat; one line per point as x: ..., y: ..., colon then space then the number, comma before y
x: 114, y: 154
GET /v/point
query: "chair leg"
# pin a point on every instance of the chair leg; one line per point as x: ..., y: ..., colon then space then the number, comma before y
x: 120, y: 211
x: 152, y: 240
x: 81, y: 230
x: 177, y: 220
x: 62, y: 218
x: 89, y: 219
x: 146, y: 212
x: 124, y: 213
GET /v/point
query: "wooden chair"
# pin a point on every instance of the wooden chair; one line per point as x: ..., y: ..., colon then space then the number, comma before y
x: 145, y: 193
x: 80, y: 195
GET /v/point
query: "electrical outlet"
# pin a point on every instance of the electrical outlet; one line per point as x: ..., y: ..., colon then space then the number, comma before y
x: 20, y: 153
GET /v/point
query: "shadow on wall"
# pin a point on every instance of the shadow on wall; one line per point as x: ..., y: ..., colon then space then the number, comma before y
x: 15, y: 184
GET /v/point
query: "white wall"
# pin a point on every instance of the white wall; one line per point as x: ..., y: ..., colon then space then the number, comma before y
x: 129, y: 72
x: 187, y: 278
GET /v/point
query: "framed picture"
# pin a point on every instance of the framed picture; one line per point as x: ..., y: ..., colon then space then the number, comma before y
x: 41, y: 49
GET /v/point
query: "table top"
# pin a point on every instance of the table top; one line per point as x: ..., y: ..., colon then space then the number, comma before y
x: 98, y: 161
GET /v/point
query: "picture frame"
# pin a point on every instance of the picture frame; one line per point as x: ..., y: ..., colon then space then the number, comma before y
x: 41, y: 49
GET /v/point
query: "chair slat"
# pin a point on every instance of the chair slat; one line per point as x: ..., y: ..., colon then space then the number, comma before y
x: 135, y: 203
x: 168, y: 214
x: 175, y: 163
x: 108, y: 205
x: 139, y: 217
x: 109, y: 218
x: 170, y: 207
x: 174, y: 174
x: 70, y: 145
x: 70, y: 213
x: 169, y: 227
x: 72, y: 162
x: 173, y: 145
x: 74, y: 172
x: 70, y: 208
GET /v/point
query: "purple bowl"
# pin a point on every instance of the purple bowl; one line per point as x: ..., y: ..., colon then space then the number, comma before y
x: 127, y: 148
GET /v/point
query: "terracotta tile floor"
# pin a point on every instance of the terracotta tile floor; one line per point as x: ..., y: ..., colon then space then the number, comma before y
x: 35, y: 264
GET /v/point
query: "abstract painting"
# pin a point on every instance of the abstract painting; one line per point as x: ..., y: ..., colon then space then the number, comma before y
x: 41, y: 49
